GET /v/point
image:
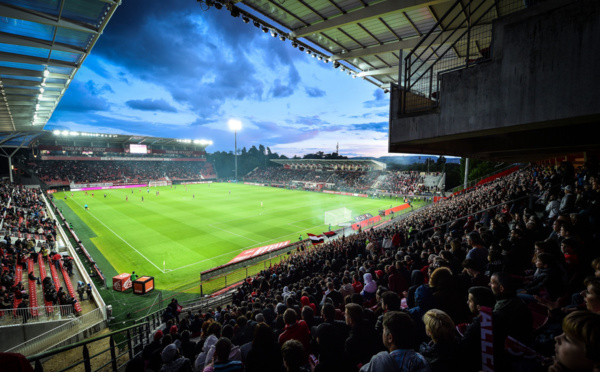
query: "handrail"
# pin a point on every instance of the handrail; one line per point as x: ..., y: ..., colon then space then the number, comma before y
x: 454, y: 32
x: 137, y: 336
x: 60, y: 333
x: 45, y: 313
x: 475, y: 213
x: 476, y: 181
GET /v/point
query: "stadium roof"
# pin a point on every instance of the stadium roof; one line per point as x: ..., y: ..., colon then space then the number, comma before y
x: 372, y: 163
x: 28, y: 138
x: 366, y: 36
x: 42, y: 46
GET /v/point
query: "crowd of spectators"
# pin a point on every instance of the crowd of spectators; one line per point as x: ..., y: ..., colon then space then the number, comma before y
x: 394, y: 182
x: 407, y: 182
x: 27, y: 231
x: 80, y: 171
x: 410, y: 296
x: 341, y: 179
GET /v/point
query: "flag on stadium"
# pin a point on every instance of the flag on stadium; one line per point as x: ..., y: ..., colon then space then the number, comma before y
x: 329, y: 234
x: 316, y: 239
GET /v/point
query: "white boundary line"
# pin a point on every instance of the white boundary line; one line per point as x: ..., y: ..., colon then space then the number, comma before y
x: 211, y: 225
x: 124, y: 241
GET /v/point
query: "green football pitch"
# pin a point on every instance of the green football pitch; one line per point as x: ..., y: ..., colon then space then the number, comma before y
x: 183, y: 230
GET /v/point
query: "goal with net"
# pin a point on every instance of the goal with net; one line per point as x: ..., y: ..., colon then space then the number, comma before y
x: 159, y: 183
x: 337, y: 216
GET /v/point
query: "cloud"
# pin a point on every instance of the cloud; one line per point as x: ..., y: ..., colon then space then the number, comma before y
x: 85, y: 97
x: 380, y: 100
x: 377, y: 127
x: 206, y: 58
x: 315, y: 92
x: 151, y: 105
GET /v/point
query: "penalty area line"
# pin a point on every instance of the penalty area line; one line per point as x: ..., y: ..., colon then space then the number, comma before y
x: 124, y: 241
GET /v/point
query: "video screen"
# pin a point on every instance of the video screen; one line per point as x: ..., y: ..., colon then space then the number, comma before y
x: 138, y: 149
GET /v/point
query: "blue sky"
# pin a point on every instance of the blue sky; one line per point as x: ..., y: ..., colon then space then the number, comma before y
x: 170, y: 69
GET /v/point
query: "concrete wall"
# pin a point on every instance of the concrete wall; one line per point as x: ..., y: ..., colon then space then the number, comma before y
x: 21, y: 333
x: 545, y: 72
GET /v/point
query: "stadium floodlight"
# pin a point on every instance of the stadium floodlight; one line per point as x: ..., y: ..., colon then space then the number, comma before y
x: 235, y: 125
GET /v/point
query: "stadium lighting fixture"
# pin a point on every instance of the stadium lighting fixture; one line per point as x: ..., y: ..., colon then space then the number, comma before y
x: 56, y: 132
x: 235, y: 125
x: 46, y: 72
x: 246, y: 19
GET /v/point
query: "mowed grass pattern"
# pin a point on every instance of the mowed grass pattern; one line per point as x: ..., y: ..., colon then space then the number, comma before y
x: 198, y: 227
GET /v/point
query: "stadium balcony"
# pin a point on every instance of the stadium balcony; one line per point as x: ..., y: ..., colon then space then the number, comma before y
x: 464, y: 95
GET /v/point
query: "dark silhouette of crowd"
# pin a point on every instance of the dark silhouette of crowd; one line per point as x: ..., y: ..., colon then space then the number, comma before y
x: 131, y: 171
x: 415, y: 295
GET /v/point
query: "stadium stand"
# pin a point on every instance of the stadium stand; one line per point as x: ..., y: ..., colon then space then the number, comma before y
x: 406, y: 183
x: 64, y: 172
x: 441, y: 259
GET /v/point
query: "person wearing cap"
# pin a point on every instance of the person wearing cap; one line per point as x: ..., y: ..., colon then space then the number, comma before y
x: 173, y: 361
x: 567, y: 203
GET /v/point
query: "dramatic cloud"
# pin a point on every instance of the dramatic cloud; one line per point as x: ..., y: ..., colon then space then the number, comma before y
x: 178, y: 70
x: 85, y: 97
x: 151, y: 105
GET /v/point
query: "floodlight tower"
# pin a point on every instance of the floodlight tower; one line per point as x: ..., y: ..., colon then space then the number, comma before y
x: 235, y: 125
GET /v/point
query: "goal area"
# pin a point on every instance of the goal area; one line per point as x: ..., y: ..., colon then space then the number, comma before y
x: 337, y: 216
x: 160, y: 183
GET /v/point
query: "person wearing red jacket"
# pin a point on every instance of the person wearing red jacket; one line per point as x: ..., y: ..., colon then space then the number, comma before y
x: 295, y: 330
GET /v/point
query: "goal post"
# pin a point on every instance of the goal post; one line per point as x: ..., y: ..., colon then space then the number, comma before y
x: 159, y: 183
x: 337, y: 216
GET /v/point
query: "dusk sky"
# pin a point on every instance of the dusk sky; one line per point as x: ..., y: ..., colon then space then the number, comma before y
x: 171, y: 69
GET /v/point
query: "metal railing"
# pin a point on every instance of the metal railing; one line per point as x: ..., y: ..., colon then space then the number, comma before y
x: 39, y: 314
x: 477, y: 180
x: 133, y: 340
x: 461, y: 38
x: 59, y: 334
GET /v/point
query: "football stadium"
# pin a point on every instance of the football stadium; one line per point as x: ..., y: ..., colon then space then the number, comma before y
x: 204, y: 185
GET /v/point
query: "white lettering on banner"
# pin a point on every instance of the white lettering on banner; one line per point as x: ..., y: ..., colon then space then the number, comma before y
x: 487, y: 339
x: 258, y: 251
